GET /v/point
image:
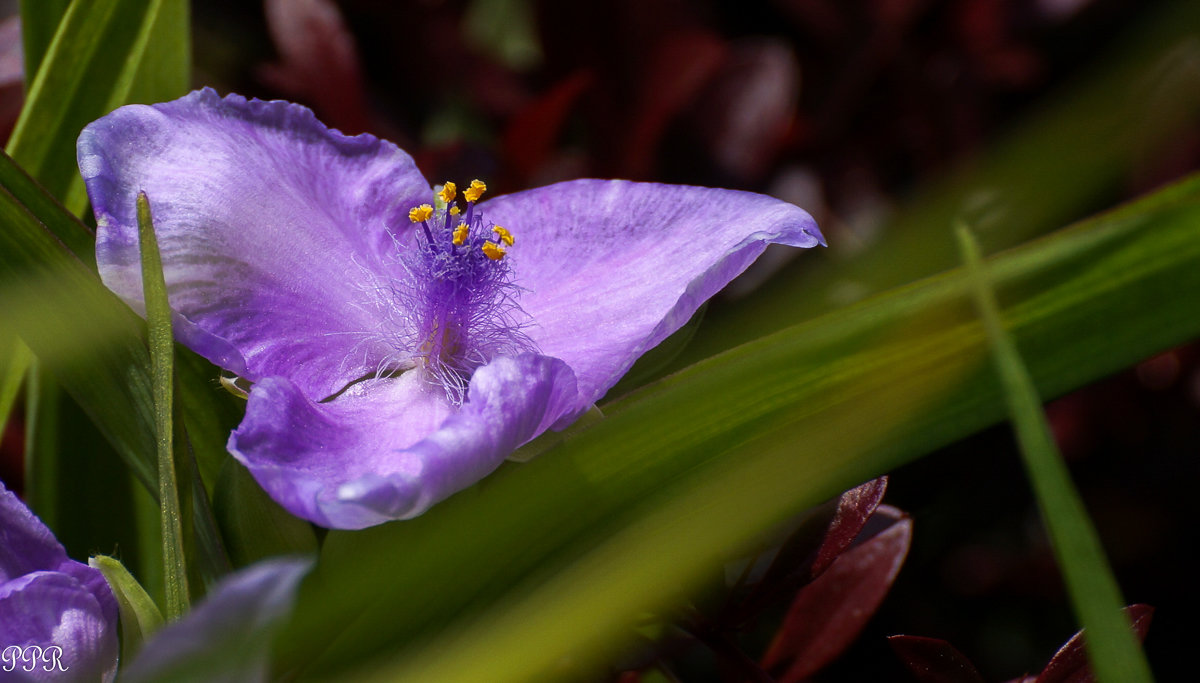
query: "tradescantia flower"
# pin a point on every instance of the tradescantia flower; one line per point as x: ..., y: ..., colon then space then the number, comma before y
x: 58, y: 617
x: 399, y: 345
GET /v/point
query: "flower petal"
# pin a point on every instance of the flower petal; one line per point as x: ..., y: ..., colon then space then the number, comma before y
x: 613, y: 267
x: 26, y: 545
x: 390, y: 448
x: 53, y: 629
x: 228, y: 636
x: 271, y: 226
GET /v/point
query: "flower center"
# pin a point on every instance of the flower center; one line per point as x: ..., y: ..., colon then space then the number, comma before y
x: 460, y: 302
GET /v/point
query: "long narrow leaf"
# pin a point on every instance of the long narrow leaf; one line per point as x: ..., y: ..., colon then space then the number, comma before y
x: 1111, y: 647
x: 158, y: 321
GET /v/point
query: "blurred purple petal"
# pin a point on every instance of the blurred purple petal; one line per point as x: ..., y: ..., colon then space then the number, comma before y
x: 26, y: 545
x: 227, y: 637
x: 58, y: 618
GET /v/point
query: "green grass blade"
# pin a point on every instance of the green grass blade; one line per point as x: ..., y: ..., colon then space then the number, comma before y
x: 162, y: 342
x: 104, y: 53
x: 701, y: 463
x: 1114, y: 653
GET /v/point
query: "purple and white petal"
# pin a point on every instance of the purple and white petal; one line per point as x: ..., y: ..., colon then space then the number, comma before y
x: 53, y: 629
x: 272, y: 229
x: 612, y: 267
x: 390, y: 448
x: 228, y: 636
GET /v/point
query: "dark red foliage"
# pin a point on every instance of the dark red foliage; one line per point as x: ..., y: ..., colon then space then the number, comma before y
x: 855, y: 507
x: 829, y: 613
x: 815, y: 544
x: 933, y: 660
x: 1070, y: 665
x: 11, y: 75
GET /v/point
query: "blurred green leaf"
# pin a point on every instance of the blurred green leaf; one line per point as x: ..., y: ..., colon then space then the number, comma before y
x: 254, y: 526
x: 14, y: 360
x: 39, y: 22
x: 542, y: 563
x: 1111, y: 646
x: 74, y: 480
x: 505, y: 29
x: 79, y: 330
x: 139, y: 615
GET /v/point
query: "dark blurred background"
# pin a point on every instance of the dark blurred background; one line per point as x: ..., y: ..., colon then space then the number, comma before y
x: 862, y: 112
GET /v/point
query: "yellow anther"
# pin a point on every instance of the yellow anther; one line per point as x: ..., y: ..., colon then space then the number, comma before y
x: 504, y: 235
x: 493, y: 251
x: 475, y: 191
x: 420, y: 213
x: 460, y: 234
x: 454, y: 211
x: 447, y: 192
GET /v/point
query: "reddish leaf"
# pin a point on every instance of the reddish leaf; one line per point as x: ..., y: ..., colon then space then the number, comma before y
x: 828, y: 614
x: 318, y: 61
x: 679, y: 67
x: 855, y: 507
x: 530, y: 136
x: 746, y: 112
x: 813, y: 546
x: 1070, y: 665
x: 933, y: 660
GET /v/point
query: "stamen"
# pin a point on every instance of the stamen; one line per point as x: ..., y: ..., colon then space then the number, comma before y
x: 504, y: 235
x: 493, y: 251
x: 475, y: 191
x: 420, y: 214
x: 455, y: 306
x: 460, y: 234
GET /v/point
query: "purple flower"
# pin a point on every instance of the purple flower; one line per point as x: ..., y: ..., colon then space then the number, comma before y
x: 58, y: 618
x: 399, y: 350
